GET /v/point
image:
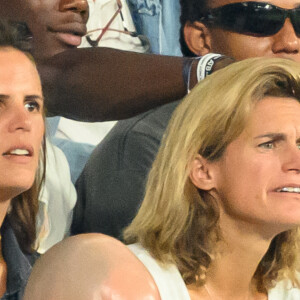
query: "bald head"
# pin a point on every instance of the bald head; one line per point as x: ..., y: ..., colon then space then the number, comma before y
x: 90, y: 266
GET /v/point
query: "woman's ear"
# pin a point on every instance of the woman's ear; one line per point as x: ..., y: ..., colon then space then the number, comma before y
x: 197, y: 38
x: 200, y: 173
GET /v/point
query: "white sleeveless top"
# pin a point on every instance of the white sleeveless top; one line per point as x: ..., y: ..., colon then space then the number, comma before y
x: 172, y: 287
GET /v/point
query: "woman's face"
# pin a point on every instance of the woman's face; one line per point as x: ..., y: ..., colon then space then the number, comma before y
x: 257, y: 180
x: 21, y: 122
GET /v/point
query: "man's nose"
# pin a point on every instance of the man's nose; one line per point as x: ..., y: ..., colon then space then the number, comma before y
x: 286, y: 40
x: 80, y: 6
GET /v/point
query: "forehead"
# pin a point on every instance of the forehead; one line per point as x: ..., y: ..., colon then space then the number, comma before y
x: 274, y: 114
x: 17, y: 71
x: 289, y: 4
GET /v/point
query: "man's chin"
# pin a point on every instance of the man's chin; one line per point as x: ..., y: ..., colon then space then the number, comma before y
x: 50, y: 49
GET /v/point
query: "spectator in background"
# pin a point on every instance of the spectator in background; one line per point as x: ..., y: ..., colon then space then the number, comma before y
x: 87, y: 135
x: 83, y: 66
x: 105, y: 270
x: 151, y: 19
x: 101, y: 13
x: 58, y: 195
x: 78, y: 83
x: 159, y: 20
x: 87, y: 74
x: 221, y: 215
x: 59, y: 25
x: 22, y: 151
x: 112, y: 185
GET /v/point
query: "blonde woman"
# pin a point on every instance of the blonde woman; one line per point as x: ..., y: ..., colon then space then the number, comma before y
x: 221, y: 214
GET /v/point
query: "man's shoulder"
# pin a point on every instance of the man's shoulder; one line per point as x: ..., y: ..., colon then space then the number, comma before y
x: 157, y: 119
x: 152, y: 122
x: 129, y: 136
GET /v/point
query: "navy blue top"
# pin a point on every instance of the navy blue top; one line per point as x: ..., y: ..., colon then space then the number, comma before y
x: 19, y: 265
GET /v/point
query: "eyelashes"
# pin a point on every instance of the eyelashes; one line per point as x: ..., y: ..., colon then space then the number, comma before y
x: 273, y: 144
x: 268, y: 145
x: 32, y: 106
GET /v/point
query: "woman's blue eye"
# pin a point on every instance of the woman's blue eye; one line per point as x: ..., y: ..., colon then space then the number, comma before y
x: 32, y: 106
x: 267, y: 145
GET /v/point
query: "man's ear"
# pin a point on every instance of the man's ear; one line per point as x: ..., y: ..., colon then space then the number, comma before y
x: 197, y: 38
x: 201, y: 174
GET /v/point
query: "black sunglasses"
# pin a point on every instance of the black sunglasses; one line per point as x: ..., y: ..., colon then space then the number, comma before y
x: 256, y: 18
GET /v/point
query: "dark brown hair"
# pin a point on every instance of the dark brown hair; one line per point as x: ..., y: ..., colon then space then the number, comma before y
x: 24, y: 207
x: 191, y: 11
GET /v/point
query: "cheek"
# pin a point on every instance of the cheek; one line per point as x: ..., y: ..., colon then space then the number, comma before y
x: 243, y: 179
x: 240, y: 46
x: 39, y: 131
x: 248, y: 47
x: 240, y: 196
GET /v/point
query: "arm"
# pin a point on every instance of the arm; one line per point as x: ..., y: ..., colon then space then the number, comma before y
x: 97, y: 84
x: 100, y: 84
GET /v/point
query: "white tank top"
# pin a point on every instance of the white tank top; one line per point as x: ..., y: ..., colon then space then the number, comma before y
x: 168, y: 279
x: 172, y: 287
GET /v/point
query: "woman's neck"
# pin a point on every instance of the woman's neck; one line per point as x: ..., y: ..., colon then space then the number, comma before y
x: 4, y: 205
x: 3, y: 272
x: 230, y: 275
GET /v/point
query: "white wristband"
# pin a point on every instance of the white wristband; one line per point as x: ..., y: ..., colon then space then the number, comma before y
x: 206, y: 64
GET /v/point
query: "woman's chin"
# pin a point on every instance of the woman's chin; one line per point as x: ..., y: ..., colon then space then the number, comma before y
x: 10, y: 192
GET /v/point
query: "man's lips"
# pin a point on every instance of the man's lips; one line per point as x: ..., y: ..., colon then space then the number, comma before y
x: 69, y: 38
x: 69, y: 33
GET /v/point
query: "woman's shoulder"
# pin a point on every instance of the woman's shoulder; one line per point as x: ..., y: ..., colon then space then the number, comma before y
x: 167, y: 277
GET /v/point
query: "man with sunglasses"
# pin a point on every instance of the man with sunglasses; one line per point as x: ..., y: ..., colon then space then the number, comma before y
x: 111, y: 187
x: 242, y: 29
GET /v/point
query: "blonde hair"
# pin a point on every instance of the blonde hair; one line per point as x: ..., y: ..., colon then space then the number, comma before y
x: 178, y: 223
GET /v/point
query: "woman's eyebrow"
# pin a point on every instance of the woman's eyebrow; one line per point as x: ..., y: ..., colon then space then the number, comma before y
x: 28, y: 97
x: 277, y: 136
x: 34, y: 97
x: 4, y: 97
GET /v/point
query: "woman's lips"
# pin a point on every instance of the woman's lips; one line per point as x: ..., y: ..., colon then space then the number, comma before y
x: 19, y: 154
x: 19, y: 159
x: 69, y: 38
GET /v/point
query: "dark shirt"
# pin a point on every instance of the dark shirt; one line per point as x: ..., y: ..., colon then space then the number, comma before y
x: 111, y: 187
x: 19, y: 265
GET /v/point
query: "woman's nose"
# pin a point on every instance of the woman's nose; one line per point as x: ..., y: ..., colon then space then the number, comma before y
x: 292, y: 159
x: 19, y: 119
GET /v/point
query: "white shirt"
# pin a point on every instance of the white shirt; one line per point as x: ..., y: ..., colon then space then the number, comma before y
x: 172, y: 287
x: 100, y: 13
x: 56, y: 202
